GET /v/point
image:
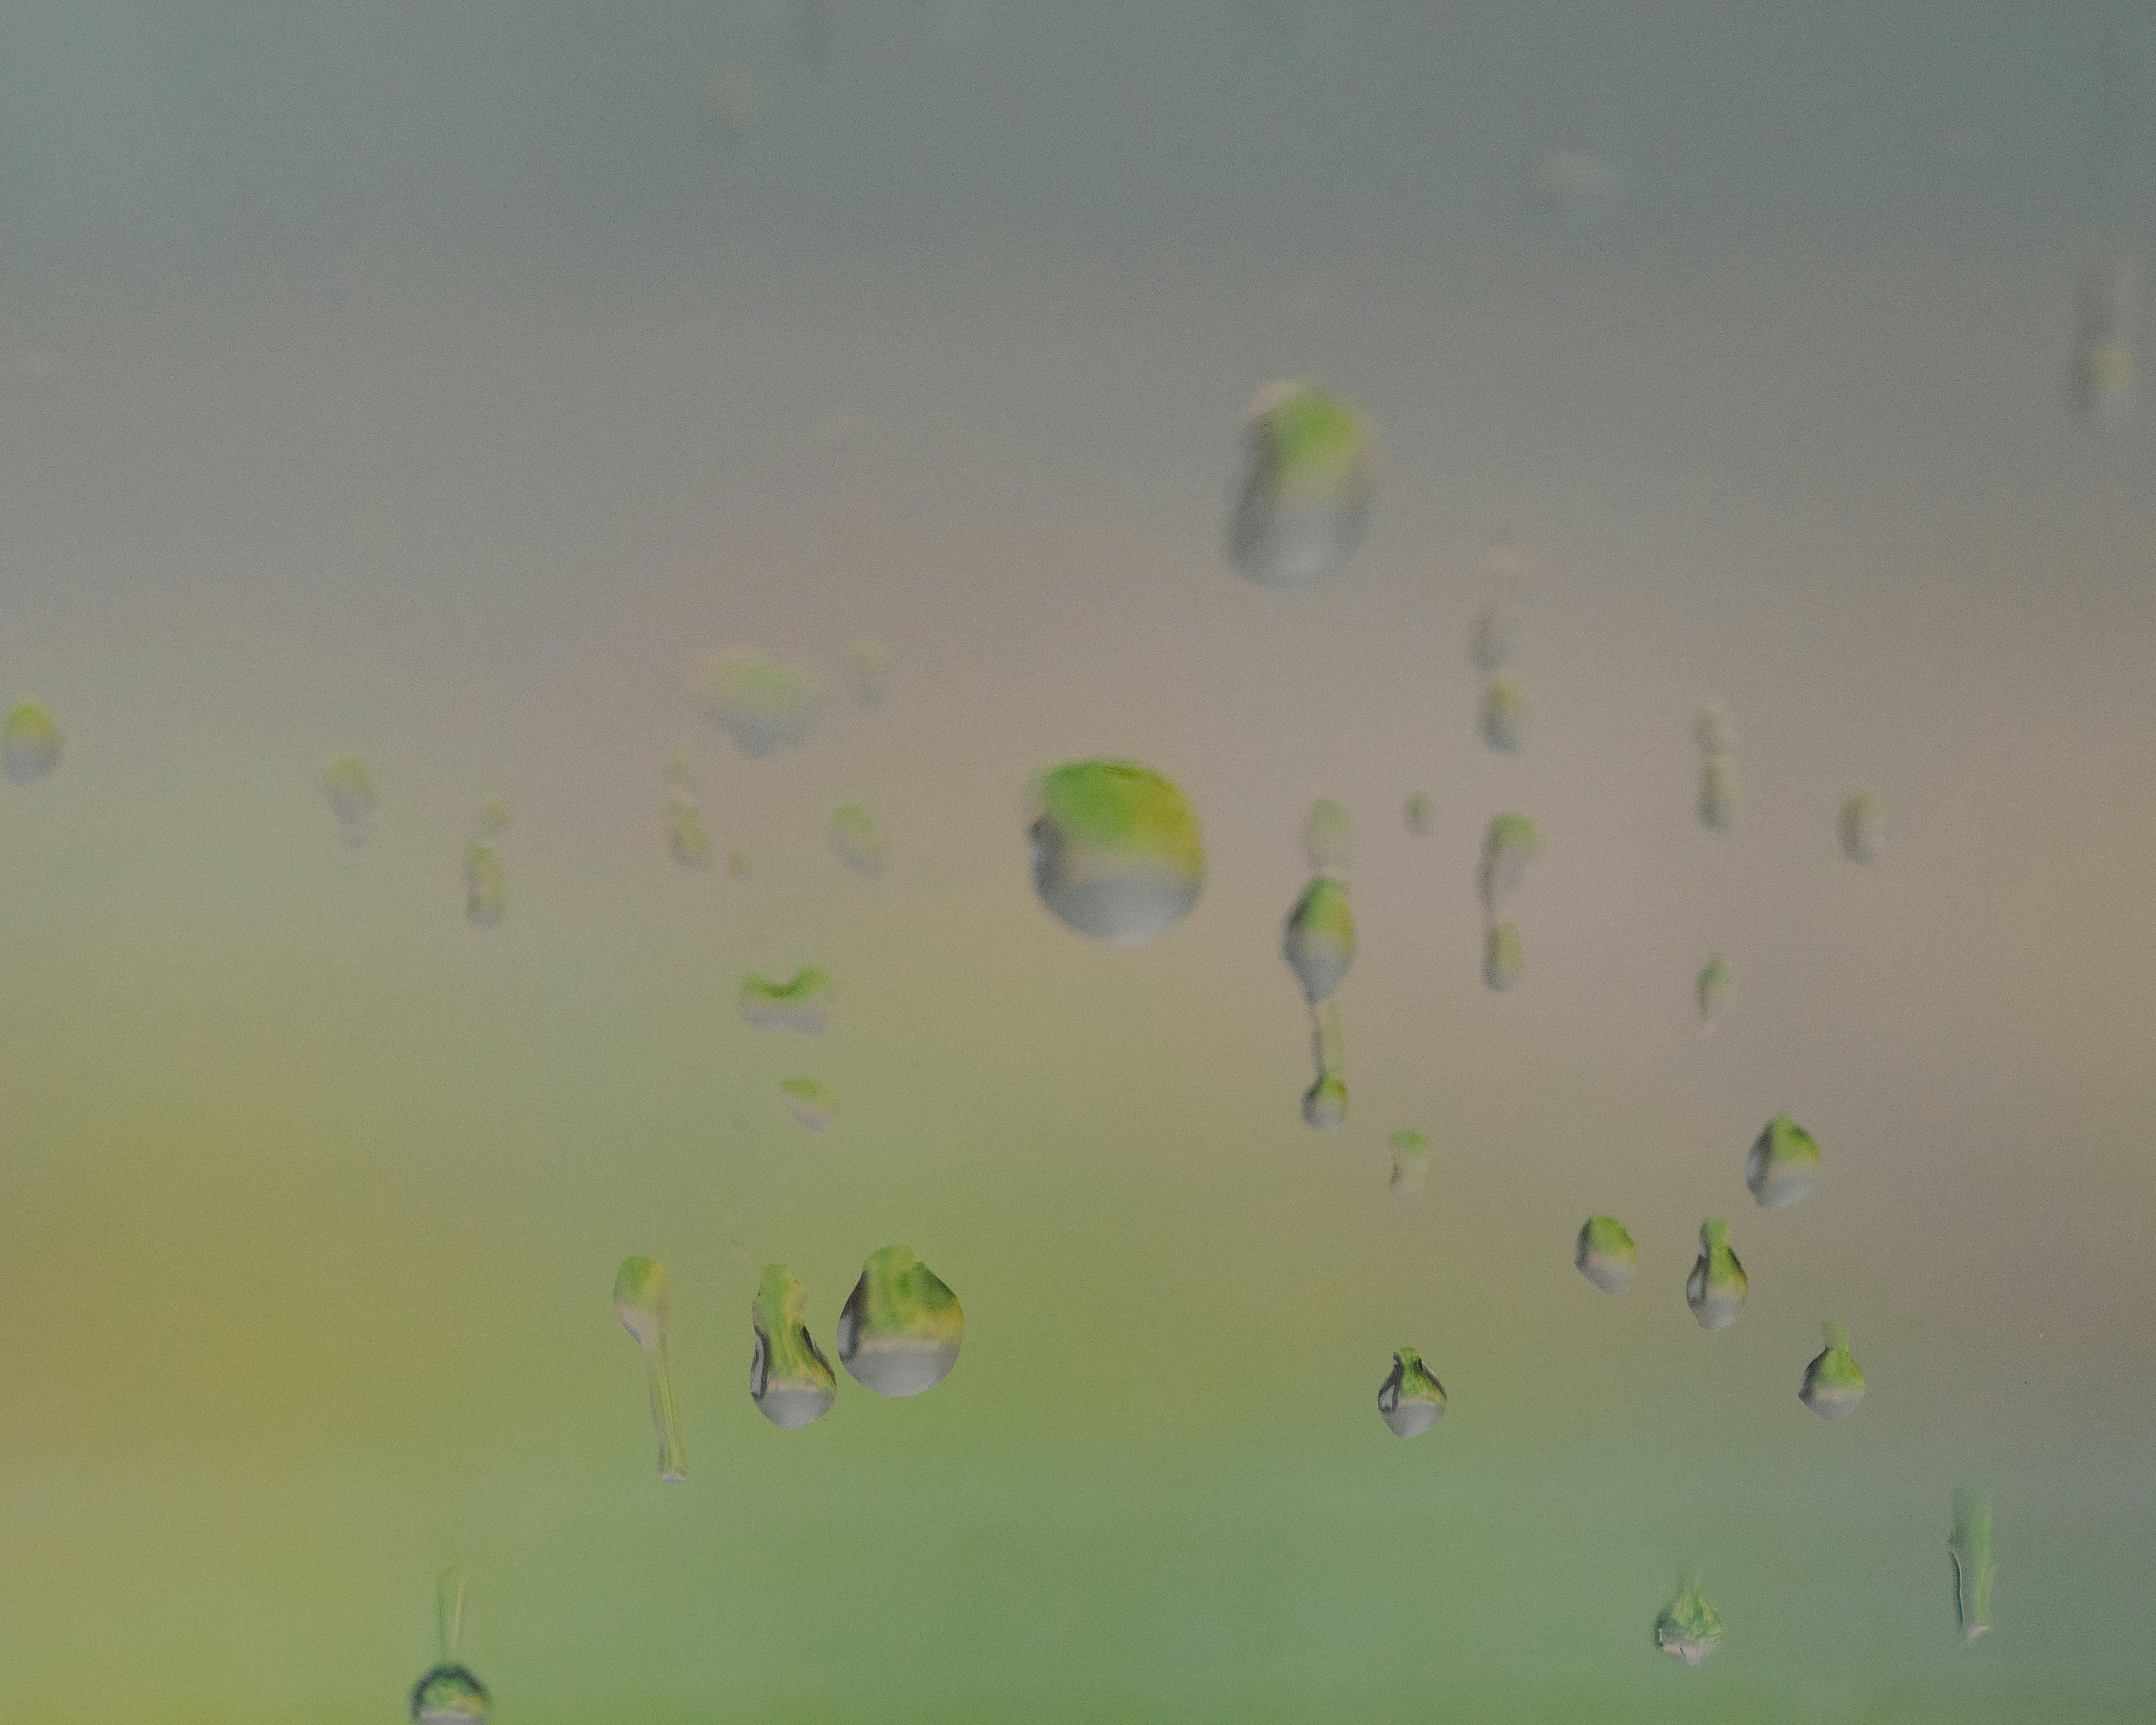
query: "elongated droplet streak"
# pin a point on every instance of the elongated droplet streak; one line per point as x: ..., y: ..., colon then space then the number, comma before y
x: 1975, y: 1562
x: 902, y: 1327
x: 640, y: 1301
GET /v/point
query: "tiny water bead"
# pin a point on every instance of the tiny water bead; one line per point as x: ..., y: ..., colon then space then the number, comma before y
x: 1834, y: 1382
x: 760, y: 703
x: 902, y: 1327
x: 801, y: 1003
x: 1319, y: 940
x: 347, y: 786
x: 449, y: 1694
x: 1863, y: 817
x: 640, y: 1301
x: 1309, y: 475
x: 789, y: 1380
x: 812, y: 1104
x: 1975, y: 1562
x: 30, y: 743
x: 1688, y: 1627
x: 1604, y: 1254
x: 1411, y: 1399
x: 1783, y: 1165
x: 857, y: 841
x: 486, y: 886
x: 1716, y: 1289
x: 1116, y: 852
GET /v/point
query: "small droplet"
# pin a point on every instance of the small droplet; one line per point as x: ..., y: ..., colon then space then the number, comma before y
x: 802, y: 1004
x: 30, y: 745
x: 347, y: 786
x: 1688, y: 1627
x: 857, y: 841
x: 1308, y: 477
x: 1410, y: 1163
x: 790, y: 1381
x: 1328, y: 838
x: 641, y: 1301
x: 870, y: 661
x: 1325, y: 1103
x: 901, y: 1328
x: 1604, y: 1254
x: 1721, y: 793
x: 1504, y: 718
x: 761, y: 703
x: 1783, y: 1165
x: 1707, y: 991
x: 1715, y: 1290
x: 1116, y: 853
x: 1504, y: 962
x: 1509, y: 846
x: 1319, y: 940
x: 1421, y: 814
x: 1411, y: 1398
x: 486, y: 886
x: 1834, y: 1382
x: 1975, y: 1562
x: 811, y: 1104
x: 1863, y: 817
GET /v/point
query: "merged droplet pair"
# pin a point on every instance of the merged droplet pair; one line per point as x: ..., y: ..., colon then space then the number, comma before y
x: 899, y: 1334
x: 1319, y: 942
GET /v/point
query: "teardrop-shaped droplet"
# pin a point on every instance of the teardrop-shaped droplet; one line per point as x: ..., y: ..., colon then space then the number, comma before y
x: 811, y: 1103
x: 857, y: 841
x: 1862, y: 818
x: 30, y: 744
x: 790, y: 1381
x: 1715, y: 1290
x: 1504, y: 715
x: 1411, y: 1398
x: 1783, y: 1165
x: 1319, y: 940
x: 1410, y: 1162
x: 901, y: 1328
x: 1308, y: 478
x: 1508, y: 846
x: 1325, y: 1103
x: 1604, y: 1254
x: 486, y: 886
x: 1116, y: 853
x: 1504, y: 961
x: 347, y: 786
x: 760, y: 703
x: 1688, y: 1627
x: 801, y: 1003
x: 1975, y: 1562
x: 1834, y: 1382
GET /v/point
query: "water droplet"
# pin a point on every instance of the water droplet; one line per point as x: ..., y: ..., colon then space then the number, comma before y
x: 1834, y: 1382
x: 1504, y: 962
x: 1605, y: 1254
x: 1504, y: 714
x: 30, y: 745
x: 1721, y: 793
x: 486, y: 886
x: 1707, y: 992
x: 347, y: 786
x: 1328, y: 838
x: 1410, y: 1163
x: 1975, y: 1562
x: 1116, y: 853
x: 1308, y: 479
x: 449, y: 1694
x: 811, y: 1104
x: 761, y: 703
x: 1325, y: 1103
x: 901, y: 1328
x: 1688, y: 1627
x: 1783, y: 1165
x: 1421, y: 814
x: 1863, y: 817
x: 1319, y: 940
x: 802, y: 1004
x: 870, y: 661
x: 640, y: 1301
x: 857, y: 841
x: 1411, y: 1398
x: 1715, y: 1290
x: 790, y: 1381
x: 1509, y: 846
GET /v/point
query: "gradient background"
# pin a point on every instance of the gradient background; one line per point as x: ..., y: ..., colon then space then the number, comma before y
x: 435, y: 381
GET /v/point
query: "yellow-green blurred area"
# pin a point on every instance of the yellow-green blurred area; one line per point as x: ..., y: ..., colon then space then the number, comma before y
x: 472, y: 394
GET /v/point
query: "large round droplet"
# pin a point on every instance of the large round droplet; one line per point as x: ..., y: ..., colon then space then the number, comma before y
x: 1308, y: 478
x: 901, y: 1328
x: 1116, y: 853
x: 30, y: 744
x: 1783, y: 1165
x: 790, y: 1381
x: 1604, y: 1254
x: 1411, y: 1399
x: 1834, y: 1382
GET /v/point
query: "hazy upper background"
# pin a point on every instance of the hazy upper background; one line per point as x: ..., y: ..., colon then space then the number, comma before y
x: 442, y: 381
